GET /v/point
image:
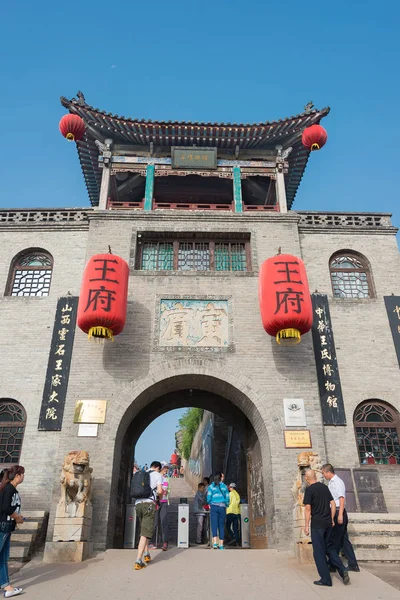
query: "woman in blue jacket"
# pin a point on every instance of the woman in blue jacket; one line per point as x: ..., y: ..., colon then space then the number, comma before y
x: 218, y: 499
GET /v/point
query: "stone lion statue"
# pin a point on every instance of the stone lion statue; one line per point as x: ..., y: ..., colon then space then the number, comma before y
x: 305, y: 460
x: 76, y: 478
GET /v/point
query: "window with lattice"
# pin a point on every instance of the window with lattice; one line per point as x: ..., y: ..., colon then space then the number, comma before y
x: 350, y: 276
x: 182, y: 254
x: 12, y: 428
x: 377, y: 427
x: 31, y: 274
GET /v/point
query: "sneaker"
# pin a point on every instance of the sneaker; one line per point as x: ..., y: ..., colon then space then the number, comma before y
x: 152, y: 547
x: 165, y: 546
x: 139, y: 565
x: 221, y: 548
x: 147, y: 557
x: 215, y: 546
x: 11, y: 593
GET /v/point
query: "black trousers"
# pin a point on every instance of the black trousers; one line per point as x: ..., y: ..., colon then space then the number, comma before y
x: 340, y: 539
x: 322, y: 547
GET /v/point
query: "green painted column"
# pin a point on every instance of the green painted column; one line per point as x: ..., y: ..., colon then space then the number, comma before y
x: 149, y: 191
x: 237, y: 190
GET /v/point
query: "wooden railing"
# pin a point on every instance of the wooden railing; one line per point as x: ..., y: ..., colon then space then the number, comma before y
x: 116, y: 205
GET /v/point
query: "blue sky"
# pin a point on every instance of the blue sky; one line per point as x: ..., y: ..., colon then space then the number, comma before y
x: 219, y: 60
x: 157, y: 442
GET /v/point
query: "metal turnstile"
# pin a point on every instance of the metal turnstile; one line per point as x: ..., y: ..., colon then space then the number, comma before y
x: 183, y: 526
x: 130, y: 526
x: 245, y: 525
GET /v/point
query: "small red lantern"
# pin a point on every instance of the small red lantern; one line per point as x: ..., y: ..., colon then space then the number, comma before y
x: 103, y: 298
x: 314, y: 137
x: 285, y: 301
x: 72, y: 127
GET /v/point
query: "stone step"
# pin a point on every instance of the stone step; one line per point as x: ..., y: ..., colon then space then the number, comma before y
x: 22, y: 538
x: 34, y: 514
x: 367, y: 553
x: 359, y: 528
x: 377, y: 539
x: 374, y: 517
x: 29, y: 525
x: 19, y: 552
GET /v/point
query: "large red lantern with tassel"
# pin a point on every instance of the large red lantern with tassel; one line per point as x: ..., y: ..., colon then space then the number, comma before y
x: 285, y: 301
x: 314, y: 137
x: 72, y: 127
x: 103, y: 298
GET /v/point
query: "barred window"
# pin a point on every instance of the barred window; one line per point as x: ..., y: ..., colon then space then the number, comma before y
x: 377, y: 427
x: 12, y: 427
x: 31, y: 274
x: 350, y: 275
x: 201, y: 255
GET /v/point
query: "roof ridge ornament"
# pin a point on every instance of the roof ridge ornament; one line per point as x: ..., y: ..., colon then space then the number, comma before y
x: 309, y: 107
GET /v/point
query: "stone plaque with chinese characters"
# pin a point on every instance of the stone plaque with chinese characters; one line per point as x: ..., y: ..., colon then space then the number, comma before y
x: 392, y: 304
x: 330, y: 389
x: 295, y: 414
x: 297, y: 439
x: 90, y: 411
x: 193, y: 323
x: 56, y: 384
x: 194, y: 158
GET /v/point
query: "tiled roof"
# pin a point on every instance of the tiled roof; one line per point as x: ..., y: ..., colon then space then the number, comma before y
x: 124, y: 130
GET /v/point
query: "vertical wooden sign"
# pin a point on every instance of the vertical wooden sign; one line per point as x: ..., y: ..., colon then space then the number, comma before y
x: 392, y: 304
x: 330, y: 389
x: 56, y: 384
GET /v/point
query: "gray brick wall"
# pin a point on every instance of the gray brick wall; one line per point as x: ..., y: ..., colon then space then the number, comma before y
x: 130, y: 373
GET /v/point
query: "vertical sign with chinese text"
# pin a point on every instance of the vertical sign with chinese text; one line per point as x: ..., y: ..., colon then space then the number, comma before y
x: 392, y: 304
x: 56, y: 384
x: 330, y: 389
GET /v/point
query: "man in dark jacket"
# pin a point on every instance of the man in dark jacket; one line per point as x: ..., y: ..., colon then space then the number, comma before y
x: 321, y: 510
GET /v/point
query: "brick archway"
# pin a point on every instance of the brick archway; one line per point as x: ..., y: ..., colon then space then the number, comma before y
x: 232, y: 397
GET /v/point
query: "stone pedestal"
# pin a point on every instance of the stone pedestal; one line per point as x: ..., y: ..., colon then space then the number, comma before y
x: 60, y: 552
x: 303, y: 548
x: 72, y: 534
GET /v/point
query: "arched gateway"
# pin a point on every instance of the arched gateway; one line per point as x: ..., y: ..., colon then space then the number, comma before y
x: 231, y: 398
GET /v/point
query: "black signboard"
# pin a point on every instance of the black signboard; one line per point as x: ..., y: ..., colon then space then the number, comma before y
x: 194, y: 158
x: 330, y: 389
x: 392, y: 304
x: 56, y: 384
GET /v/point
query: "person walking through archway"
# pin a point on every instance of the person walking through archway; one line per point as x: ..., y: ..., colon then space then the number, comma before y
x: 232, y: 515
x: 321, y: 508
x: 146, y: 488
x: 218, y: 499
x: 10, y: 506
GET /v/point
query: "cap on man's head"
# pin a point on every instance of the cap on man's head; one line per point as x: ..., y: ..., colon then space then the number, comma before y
x: 232, y: 485
x: 164, y: 464
x: 136, y: 466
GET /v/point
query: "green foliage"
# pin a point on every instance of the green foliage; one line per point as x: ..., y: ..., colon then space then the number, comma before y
x: 188, y: 425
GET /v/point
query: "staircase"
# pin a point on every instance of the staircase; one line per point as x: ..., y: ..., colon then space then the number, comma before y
x: 180, y: 489
x: 375, y: 536
x: 30, y: 536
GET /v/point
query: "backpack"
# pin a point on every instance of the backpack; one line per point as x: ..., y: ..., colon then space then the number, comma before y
x: 140, y: 485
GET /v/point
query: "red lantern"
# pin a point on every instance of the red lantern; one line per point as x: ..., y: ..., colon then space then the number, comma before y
x: 72, y: 127
x: 174, y: 459
x: 314, y: 137
x: 103, y: 298
x: 285, y: 301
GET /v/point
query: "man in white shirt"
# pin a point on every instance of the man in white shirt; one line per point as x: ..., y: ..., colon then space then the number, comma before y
x: 340, y: 538
x: 146, y: 512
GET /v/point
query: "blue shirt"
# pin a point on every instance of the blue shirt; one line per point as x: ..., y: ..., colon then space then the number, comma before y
x: 218, y: 494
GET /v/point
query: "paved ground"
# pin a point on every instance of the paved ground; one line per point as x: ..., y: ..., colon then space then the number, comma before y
x: 389, y: 572
x: 193, y: 574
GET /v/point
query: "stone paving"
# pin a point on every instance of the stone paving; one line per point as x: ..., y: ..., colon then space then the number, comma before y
x: 193, y: 574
